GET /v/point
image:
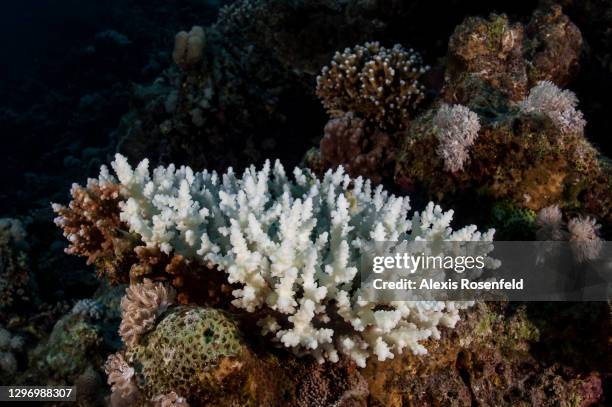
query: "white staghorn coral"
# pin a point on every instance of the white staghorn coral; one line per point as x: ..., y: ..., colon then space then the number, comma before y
x: 457, y: 128
x: 141, y: 306
x: 294, y: 247
x: 559, y: 105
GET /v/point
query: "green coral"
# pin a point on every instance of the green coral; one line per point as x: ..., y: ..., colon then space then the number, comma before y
x: 74, y: 345
x: 186, y: 352
x: 512, y: 222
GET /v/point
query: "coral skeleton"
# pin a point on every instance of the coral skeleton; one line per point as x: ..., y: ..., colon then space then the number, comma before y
x: 293, y: 247
x: 141, y: 306
x: 559, y: 105
x: 378, y: 83
x: 457, y: 128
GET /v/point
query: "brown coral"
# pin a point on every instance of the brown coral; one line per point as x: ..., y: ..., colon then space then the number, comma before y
x: 349, y: 142
x: 92, y: 226
x: 510, y: 57
x: 491, y: 49
x: 140, y: 307
x: 554, y: 48
x: 379, y: 84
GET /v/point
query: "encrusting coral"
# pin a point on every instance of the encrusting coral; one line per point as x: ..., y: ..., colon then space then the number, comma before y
x: 292, y: 248
x: 457, y: 128
x: 379, y: 84
x: 141, y: 306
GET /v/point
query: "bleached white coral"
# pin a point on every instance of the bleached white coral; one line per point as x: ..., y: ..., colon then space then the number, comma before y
x: 457, y: 128
x: 559, y: 105
x: 294, y: 247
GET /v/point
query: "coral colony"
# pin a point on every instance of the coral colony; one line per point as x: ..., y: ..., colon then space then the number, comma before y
x: 292, y: 246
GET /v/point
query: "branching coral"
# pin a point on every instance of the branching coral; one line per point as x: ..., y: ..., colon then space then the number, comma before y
x: 349, y: 142
x: 379, y: 84
x: 559, y: 105
x: 140, y: 307
x: 457, y: 128
x: 293, y: 248
x: 92, y: 226
x: 189, y: 47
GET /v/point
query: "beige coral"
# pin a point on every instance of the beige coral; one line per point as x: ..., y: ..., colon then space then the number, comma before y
x: 584, y: 238
x: 380, y: 84
x: 169, y: 400
x: 189, y: 47
x: 549, y: 223
x: 141, y: 306
x: 121, y: 379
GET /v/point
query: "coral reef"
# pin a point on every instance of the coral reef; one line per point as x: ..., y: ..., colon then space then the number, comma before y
x: 531, y: 150
x: 213, y: 260
x: 379, y: 84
